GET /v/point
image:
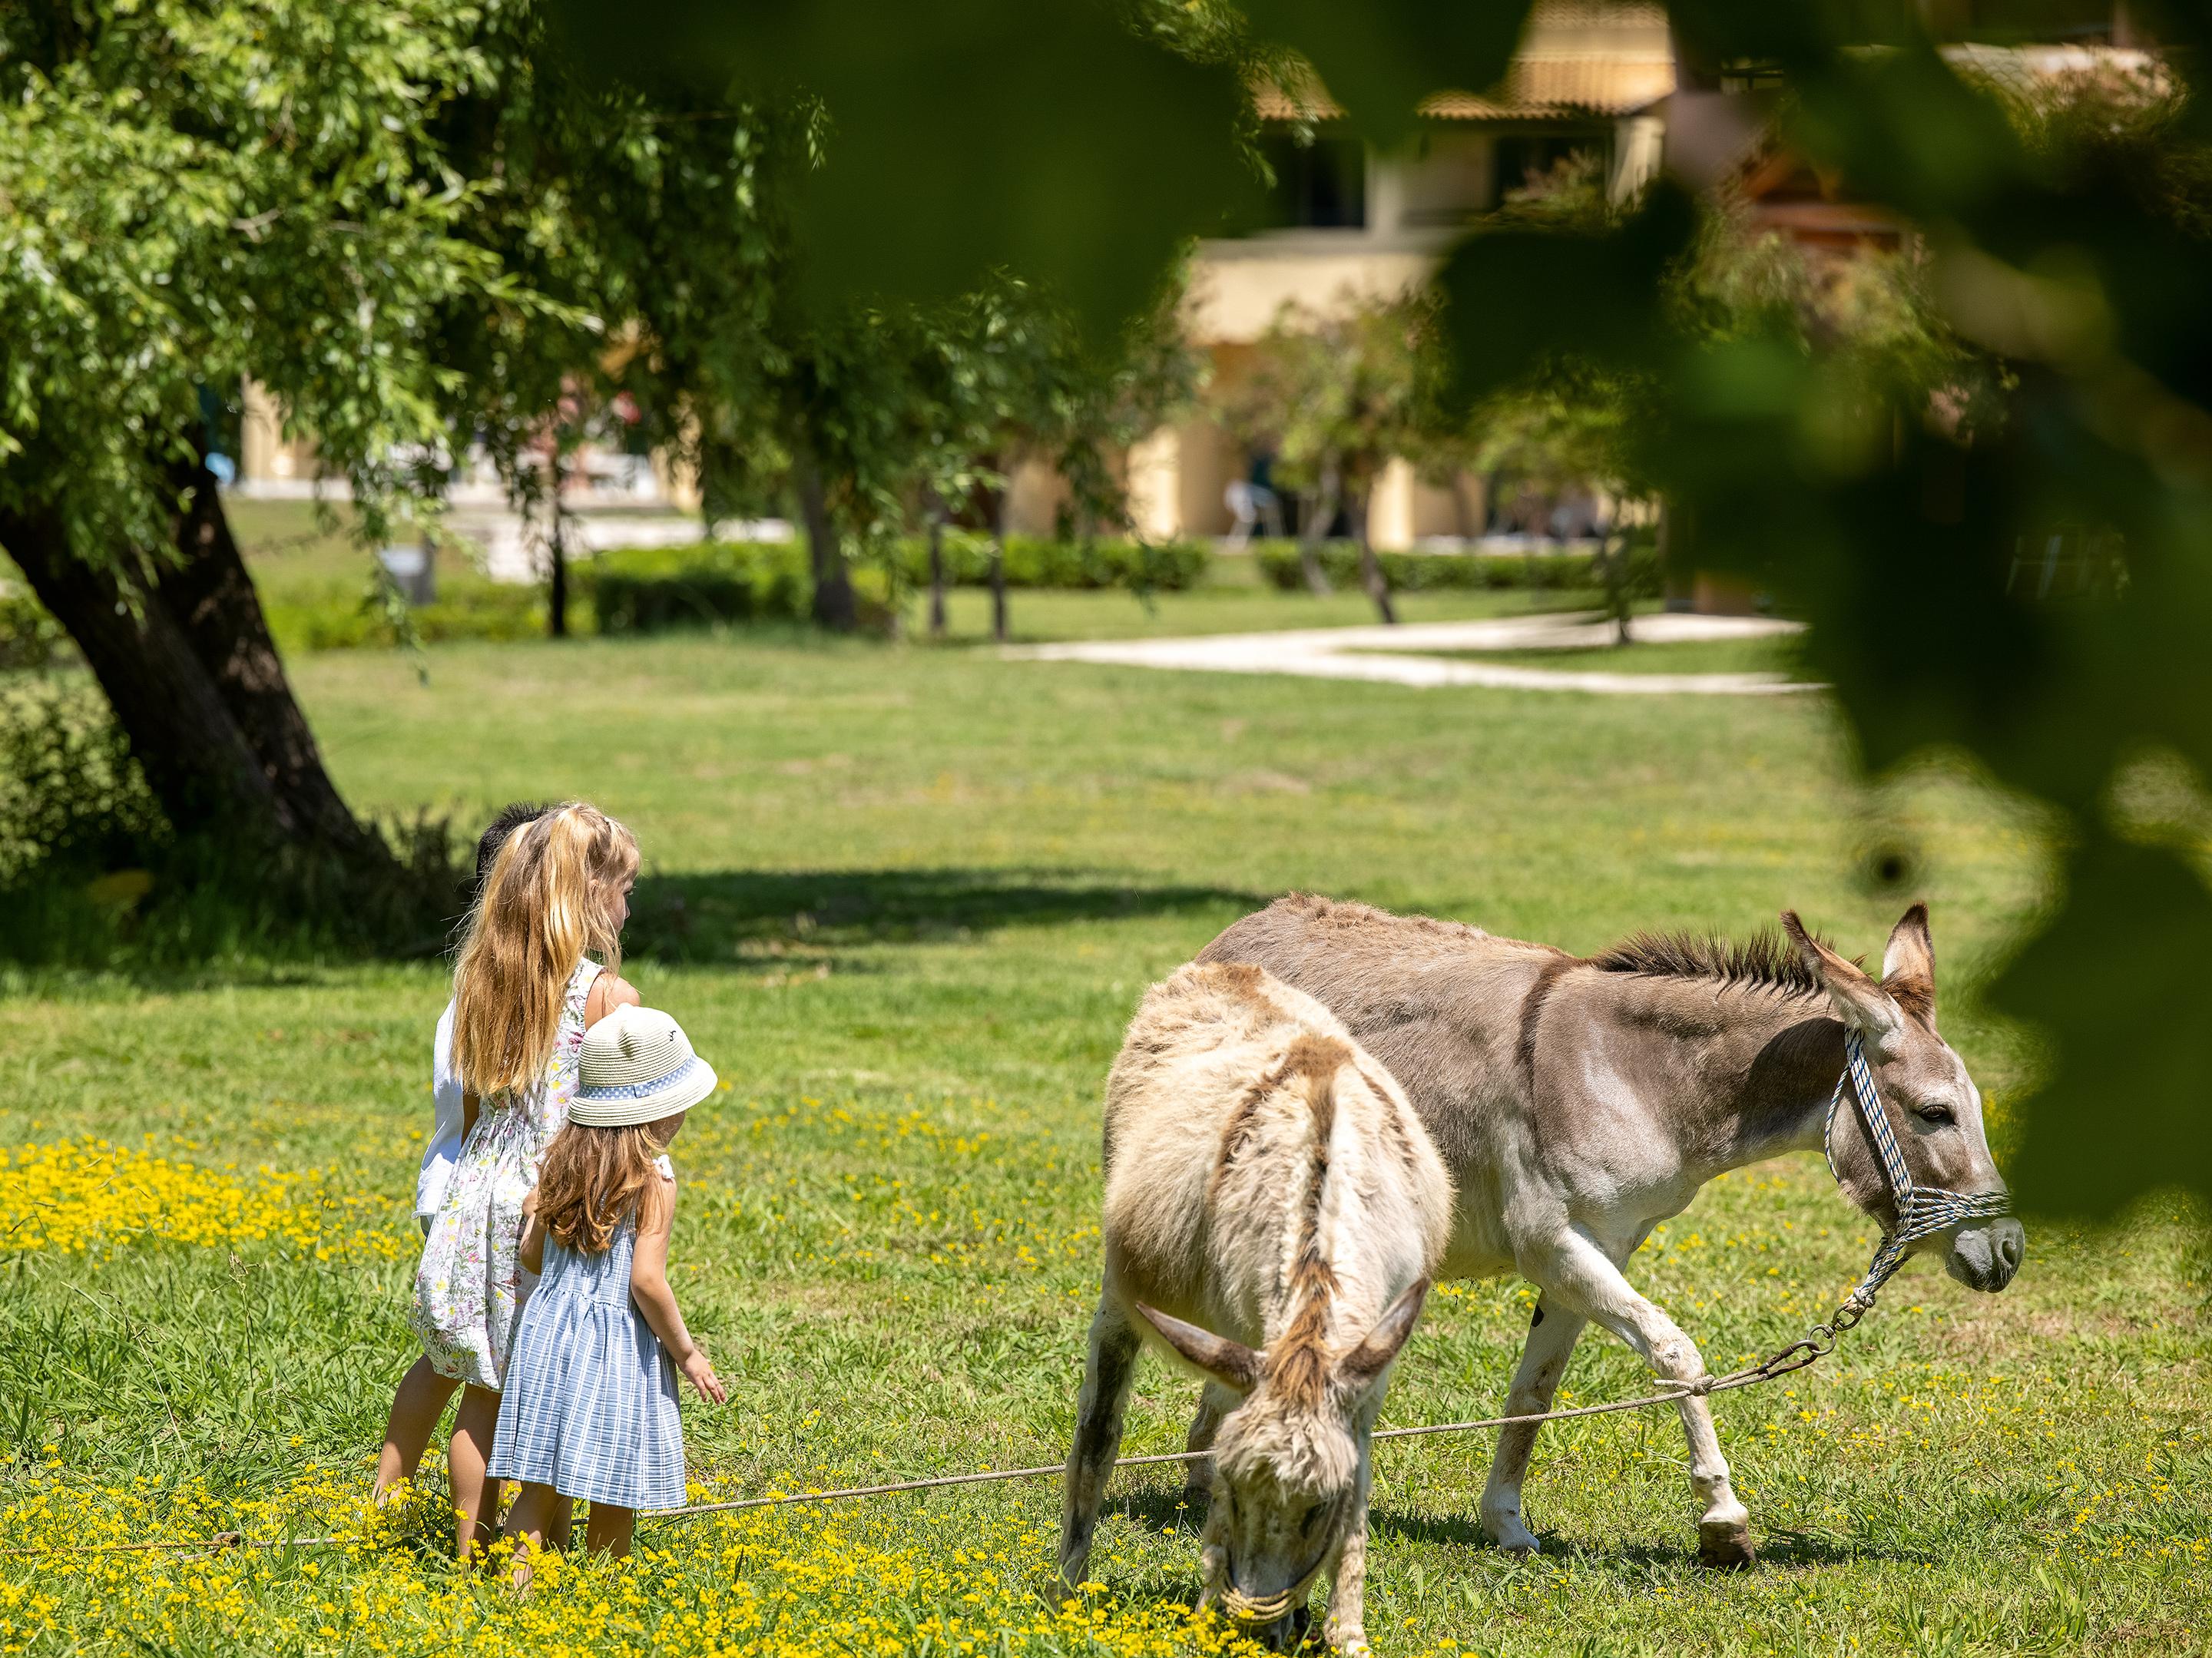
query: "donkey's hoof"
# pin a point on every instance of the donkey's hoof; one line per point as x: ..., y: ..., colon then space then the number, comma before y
x: 1514, y: 1538
x: 1726, y: 1546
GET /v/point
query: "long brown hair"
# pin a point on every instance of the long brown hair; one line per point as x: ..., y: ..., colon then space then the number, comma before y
x: 594, y: 1179
x: 548, y: 902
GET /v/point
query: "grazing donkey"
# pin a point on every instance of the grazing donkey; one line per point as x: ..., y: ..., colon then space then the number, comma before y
x: 1580, y: 1101
x: 1273, y: 1207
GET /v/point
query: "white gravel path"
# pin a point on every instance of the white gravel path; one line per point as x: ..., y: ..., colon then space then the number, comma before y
x: 1392, y: 655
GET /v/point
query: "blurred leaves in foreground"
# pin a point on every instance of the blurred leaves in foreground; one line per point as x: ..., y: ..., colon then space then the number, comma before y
x: 2050, y: 407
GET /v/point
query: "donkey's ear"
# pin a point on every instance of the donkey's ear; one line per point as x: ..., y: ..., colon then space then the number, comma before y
x: 1908, y: 965
x: 1359, y: 1367
x: 1231, y: 1364
x: 1859, y: 1002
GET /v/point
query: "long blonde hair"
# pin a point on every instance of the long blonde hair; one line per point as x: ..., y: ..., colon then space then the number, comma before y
x: 595, y: 1178
x: 548, y: 902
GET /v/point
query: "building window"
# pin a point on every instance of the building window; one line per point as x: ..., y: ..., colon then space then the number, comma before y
x: 1318, y: 185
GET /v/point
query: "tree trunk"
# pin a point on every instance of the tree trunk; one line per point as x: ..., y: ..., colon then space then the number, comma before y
x: 1370, y: 568
x: 1320, y: 513
x: 185, y: 658
x: 936, y: 569
x: 1679, y: 579
x: 999, y: 568
x: 1612, y: 556
x: 834, y: 605
x: 556, y: 594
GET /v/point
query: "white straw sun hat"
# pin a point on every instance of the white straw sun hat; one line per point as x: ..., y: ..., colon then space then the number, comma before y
x: 636, y: 1067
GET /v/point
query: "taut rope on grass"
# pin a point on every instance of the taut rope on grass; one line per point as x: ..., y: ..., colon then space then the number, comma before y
x: 1921, y: 1211
x: 1816, y: 1345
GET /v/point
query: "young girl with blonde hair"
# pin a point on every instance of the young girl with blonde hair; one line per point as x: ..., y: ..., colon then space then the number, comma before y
x: 527, y: 987
x: 589, y: 1410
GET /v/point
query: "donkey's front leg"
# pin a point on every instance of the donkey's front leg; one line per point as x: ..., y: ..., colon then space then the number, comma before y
x: 1106, y: 1376
x: 1347, y: 1590
x: 1581, y: 1275
x: 1552, y: 1333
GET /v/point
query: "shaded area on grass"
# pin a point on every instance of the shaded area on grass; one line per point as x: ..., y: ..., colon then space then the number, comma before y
x: 746, y: 915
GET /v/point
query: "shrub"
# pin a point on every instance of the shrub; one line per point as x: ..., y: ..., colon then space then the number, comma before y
x: 70, y: 794
x: 341, y: 617
x: 709, y: 584
x: 1035, y: 561
x: 642, y: 590
x: 29, y: 635
x: 1414, y: 573
x: 93, y: 874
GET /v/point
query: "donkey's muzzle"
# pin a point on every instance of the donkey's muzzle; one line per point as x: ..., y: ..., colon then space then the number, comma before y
x: 1986, y: 1256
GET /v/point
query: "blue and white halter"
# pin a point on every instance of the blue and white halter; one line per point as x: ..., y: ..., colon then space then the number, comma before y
x: 1921, y: 1210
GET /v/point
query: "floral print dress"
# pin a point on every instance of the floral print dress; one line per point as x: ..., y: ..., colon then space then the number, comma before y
x: 471, y: 1275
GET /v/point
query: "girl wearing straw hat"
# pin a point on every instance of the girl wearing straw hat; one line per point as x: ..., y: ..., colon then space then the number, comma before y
x: 589, y: 1409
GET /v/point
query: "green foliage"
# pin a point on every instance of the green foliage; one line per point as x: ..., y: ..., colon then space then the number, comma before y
x: 654, y: 589
x: 342, y: 618
x: 92, y: 873
x: 29, y: 637
x: 2019, y: 381
x: 645, y: 590
x: 196, y: 194
x: 71, y: 798
x: 1141, y: 566
x: 1335, y: 396
x: 1127, y: 148
x: 1279, y: 562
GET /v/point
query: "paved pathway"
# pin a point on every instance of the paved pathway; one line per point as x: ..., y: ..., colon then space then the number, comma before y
x: 1392, y: 655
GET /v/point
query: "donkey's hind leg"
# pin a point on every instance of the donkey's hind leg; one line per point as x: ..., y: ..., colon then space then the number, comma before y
x: 1551, y: 1336
x: 1582, y: 1276
x: 1106, y: 1377
x: 1216, y: 1402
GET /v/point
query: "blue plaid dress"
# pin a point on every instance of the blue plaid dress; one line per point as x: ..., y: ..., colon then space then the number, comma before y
x: 589, y: 1407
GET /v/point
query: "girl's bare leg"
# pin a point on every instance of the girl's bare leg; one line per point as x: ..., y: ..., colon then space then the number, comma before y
x: 415, y: 1408
x: 609, y: 1529
x: 529, y: 1524
x: 476, y: 1498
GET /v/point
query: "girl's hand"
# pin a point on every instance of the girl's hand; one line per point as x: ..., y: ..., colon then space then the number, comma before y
x: 701, y: 1375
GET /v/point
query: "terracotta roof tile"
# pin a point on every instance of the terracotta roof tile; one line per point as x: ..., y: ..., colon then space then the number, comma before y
x: 1578, y: 57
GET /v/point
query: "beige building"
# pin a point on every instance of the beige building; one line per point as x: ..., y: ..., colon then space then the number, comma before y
x: 1359, y: 224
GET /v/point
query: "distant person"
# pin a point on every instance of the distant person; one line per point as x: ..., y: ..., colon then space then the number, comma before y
x: 1251, y: 505
x: 423, y: 1393
x: 538, y: 968
x: 589, y: 1410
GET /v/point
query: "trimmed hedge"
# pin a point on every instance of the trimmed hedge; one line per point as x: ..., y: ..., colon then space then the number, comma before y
x: 1034, y: 561
x: 342, y: 618
x: 643, y: 590
x: 710, y: 584
x: 1414, y: 573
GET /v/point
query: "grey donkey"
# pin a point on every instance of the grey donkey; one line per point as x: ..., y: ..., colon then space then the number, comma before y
x: 1273, y: 1211
x: 1579, y: 1101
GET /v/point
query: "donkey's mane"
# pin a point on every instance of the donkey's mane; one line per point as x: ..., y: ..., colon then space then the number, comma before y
x: 1765, y: 961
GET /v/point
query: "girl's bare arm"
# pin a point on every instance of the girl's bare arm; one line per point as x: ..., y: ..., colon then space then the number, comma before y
x: 648, y: 1287
x: 532, y: 1251
x: 606, y: 995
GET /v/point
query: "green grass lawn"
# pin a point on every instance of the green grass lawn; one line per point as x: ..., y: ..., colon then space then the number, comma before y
x: 904, y: 899
x: 1780, y: 654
